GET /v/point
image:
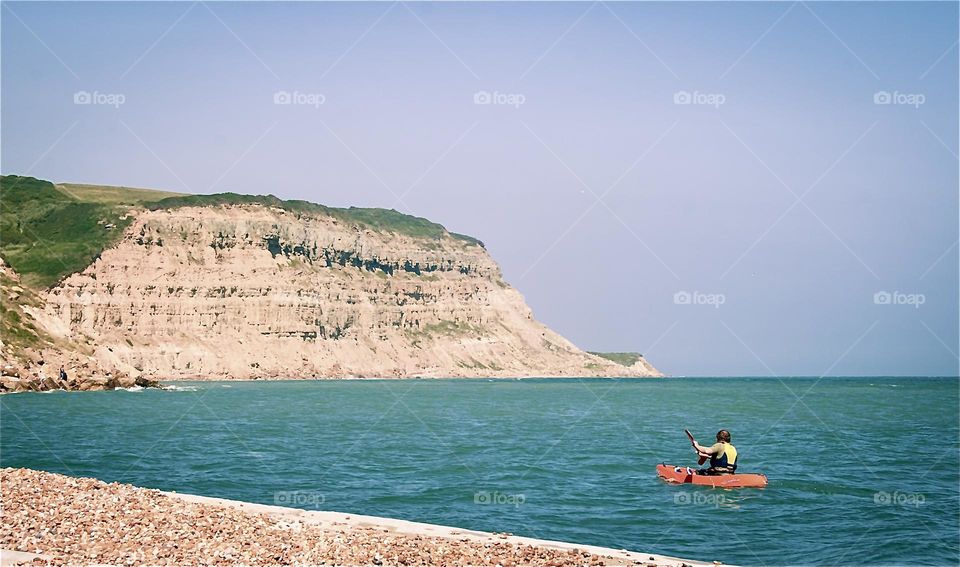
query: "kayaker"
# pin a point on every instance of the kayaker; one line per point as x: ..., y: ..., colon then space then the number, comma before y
x: 722, y: 455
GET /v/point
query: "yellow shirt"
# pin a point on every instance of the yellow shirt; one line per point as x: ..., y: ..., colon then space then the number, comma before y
x: 718, y: 450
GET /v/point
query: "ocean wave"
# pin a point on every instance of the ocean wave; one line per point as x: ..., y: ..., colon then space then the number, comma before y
x: 175, y: 388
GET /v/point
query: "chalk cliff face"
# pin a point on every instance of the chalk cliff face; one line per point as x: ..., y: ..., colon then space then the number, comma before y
x: 251, y: 291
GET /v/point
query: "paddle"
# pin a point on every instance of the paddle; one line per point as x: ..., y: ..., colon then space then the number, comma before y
x: 694, y: 443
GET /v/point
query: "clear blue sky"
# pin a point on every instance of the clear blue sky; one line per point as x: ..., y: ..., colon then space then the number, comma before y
x: 601, y: 196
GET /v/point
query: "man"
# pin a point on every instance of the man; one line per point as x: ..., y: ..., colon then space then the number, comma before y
x: 722, y: 455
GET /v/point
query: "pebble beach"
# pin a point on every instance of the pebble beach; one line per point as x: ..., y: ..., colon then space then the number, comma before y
x: 55, y: 519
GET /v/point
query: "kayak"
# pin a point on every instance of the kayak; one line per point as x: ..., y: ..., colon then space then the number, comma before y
x: 687, y: 475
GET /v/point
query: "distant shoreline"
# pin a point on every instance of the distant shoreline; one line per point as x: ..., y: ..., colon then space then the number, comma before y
x: 172, y: 383
x: 391, y: 378
x: 520, y: 378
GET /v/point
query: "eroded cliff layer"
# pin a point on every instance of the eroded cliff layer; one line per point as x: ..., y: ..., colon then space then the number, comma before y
x: 255, y: 291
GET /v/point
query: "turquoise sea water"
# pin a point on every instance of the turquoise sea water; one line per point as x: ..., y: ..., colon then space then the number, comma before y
x: 863, y: 471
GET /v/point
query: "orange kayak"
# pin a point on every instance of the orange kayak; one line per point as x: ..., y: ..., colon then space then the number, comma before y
x: 687, y: 475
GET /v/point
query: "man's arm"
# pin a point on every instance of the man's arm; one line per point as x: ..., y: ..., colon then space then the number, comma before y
x: 706, y: 451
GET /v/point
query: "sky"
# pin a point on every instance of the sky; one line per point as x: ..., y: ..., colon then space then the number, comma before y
x: 728, y: 188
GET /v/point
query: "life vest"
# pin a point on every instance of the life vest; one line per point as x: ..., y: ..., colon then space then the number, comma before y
x: 728, y: 458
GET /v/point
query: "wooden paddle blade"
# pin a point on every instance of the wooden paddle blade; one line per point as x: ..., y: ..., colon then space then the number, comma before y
x: 692, y: 441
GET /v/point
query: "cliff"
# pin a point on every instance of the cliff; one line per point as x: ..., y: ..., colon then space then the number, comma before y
x: 241, y: 287
x: 32, y: 359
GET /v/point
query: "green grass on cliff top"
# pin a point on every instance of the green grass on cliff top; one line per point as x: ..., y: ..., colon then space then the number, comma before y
x: 46, y: 234
x: 624, y: 358
x: 386, y: 220
x: 50, y: 231
x: 114, y: 195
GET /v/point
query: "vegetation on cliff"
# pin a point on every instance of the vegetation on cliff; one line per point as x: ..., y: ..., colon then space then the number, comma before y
x: 48, y: 231
x: 624, y: 358
x: 383, y: 220
x: 18, y: 330
x: 46, y: 234
x: 107, y: 194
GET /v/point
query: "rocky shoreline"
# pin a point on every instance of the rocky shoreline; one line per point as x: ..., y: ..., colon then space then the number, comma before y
x: 42, y: 373
x: 54, y: 519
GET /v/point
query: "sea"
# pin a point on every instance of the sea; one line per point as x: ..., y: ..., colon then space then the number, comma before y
x: 862, y: 471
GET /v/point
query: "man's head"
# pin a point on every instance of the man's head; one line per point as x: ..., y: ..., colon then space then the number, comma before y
x: 723, y: 436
